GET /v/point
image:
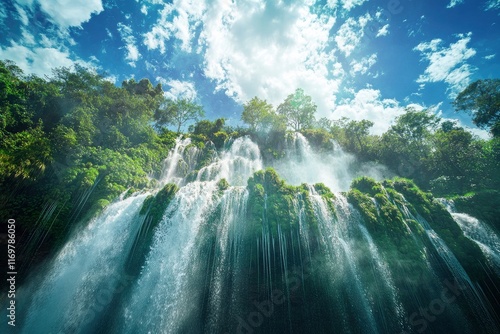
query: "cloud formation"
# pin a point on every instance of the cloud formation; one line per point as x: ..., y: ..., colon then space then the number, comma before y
x: 64, y: 13
x: 39, y: 60
x: 128, y: 38
x: 368, y: 104
x: 178, y: 89
x: 447, y: 64
x: 453, y: 3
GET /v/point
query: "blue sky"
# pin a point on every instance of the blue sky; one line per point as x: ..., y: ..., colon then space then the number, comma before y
x: 361, y: 59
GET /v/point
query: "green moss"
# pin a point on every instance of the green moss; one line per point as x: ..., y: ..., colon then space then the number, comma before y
x: 365, y: 184
x: 223, y: 184
x: 152, y: 212
x: 219, y: 138
x: 271, y: 201
x: 439, y: 219
x: 155, y: 206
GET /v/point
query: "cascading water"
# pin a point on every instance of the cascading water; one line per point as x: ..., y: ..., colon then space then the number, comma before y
x: 247, y: 255
x: 81, y: 281
x: 475, y: 297
x: 479, y: 232
x: 335, y: 168
x: 179, y: 162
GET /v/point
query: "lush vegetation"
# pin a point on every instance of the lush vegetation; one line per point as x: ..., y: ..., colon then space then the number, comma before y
x: 73, y: 142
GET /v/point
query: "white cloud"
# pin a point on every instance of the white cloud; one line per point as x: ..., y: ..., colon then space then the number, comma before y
x: 453, y: 3
x: 255, y: 48
x: 111, y: 78
x: 28, y: 38
x: 126, y: 34
x: 71, y: 13
x: 64, y: 13
x: 447, y: 64
x: 179, y: 89
x: 368, y: 104
x: 144, y: 9
x: 493, y: 4
x: 269, y: 50
x: 178, y: 20
x: 489, y: 57
x: 3, y: 12
x: 39, y: 61
x: 345, y: 4
x: 351, y: 33
x: 23, y: 15
x: 384, y: 31
x: 362, y: 66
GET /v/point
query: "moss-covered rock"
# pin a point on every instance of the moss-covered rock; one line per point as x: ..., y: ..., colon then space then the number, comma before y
x: 152, y: 212
x: 222, y: 184
x: 274, y: 202
x: 466, y: 251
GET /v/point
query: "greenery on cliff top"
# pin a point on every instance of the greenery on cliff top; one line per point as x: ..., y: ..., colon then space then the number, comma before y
x: 73, y: 142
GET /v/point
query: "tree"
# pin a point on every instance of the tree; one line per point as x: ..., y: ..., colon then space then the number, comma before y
x: 298, y: 110
x: 178, y: 112
x: 481, y: 99
x: 456, y: 163
x: 258, y: 114
x: 358, y: 131
x: 408, y: 142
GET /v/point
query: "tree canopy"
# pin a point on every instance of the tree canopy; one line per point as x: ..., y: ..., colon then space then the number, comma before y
x: 481, y: 99
x: 178, y: 112
x: 258, y: 114
x: 298, y: 110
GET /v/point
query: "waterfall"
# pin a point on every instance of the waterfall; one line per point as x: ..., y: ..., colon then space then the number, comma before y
x: 253, y: 254
x: 483, y: 235
x: 85, y: 276
x: 180, y: 161
x: 168, y: 294
x: 334, y: 167
x: 473, y: 294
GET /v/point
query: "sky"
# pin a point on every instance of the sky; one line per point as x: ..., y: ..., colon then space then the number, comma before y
x: 361, y: 59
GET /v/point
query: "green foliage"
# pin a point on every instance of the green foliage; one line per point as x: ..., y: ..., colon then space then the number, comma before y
x: 25, y: 154
x: 222, y: 184
x: 298, y: 110
x: 258, y: 114
x: 481, y: 99
x: 319, y: 138
x: 206, y: 130
x: 76, y: 141
x: 271, y: 201
x: 457, y: 163
x: 177, y: 113
x: 466, y: 251
x: 407, y: 143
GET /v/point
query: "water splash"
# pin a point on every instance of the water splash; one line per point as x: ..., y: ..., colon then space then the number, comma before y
x: 235, y: 165
x: 180, y: 161
x: 479, y: 232
x: 335, y: 168
x: 68, y: 299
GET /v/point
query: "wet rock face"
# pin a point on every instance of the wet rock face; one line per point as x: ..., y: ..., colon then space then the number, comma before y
x: 230, y: 247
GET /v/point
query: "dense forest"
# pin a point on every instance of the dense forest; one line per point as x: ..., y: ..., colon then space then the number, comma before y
x: 72, y: 143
